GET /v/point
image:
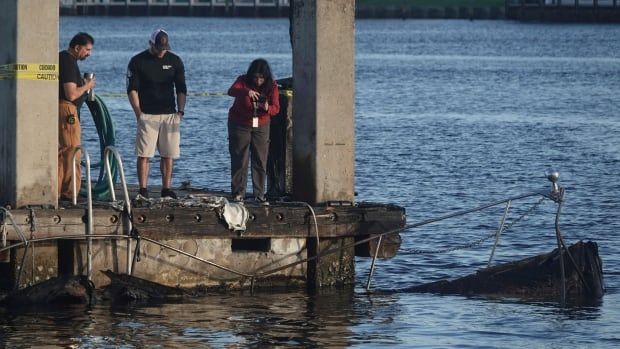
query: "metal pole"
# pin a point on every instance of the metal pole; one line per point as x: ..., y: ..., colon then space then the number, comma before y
x: 89, y: 225
x: 499, y: 232
x: 109, y: 173
x: 117, y: 155
x: 372, y: 265
x: 25, y: 242
x: 21, y: 268
x: 560, y: 247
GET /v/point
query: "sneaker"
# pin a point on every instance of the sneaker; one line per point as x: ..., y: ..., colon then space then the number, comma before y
x: 143, y: 194
x: 167, y: 193
x: 238, y: 198
x: 65, y: 200
x: 262, y: 200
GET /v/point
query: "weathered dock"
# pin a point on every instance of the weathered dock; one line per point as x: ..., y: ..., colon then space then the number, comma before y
x: 187, y: 242
x: 308, y: 235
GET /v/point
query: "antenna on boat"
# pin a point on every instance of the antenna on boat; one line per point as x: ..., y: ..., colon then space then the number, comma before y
x: 553, y: 175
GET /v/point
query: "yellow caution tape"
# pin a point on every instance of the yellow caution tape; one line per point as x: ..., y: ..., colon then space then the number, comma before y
x: 287, y: 93
x: 111, y: 94
x: 122, y: 94
x: 200, y: 94
x: 207, y: 94
x: 29, y: 71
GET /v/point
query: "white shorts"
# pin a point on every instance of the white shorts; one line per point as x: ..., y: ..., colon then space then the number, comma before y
x: 161, y: 131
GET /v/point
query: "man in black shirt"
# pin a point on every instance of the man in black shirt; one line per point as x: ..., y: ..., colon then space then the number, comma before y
x: 153, y: 76
x: 72, y: 93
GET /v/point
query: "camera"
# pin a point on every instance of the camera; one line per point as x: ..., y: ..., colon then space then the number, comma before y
x: 262, y: 99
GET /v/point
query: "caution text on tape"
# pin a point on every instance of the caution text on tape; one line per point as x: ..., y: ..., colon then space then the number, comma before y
x: 29, y: 71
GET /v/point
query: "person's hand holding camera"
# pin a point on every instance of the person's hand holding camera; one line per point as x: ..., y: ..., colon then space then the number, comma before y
x: 263, y: 102
x: 253, y: 95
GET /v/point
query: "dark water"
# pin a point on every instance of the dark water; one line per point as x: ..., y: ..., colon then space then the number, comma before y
x: 449, y: 115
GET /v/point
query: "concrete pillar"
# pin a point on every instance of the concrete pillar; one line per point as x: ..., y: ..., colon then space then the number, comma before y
x: 335, y: 269
x: 323, y: 107
x: 28, y: 103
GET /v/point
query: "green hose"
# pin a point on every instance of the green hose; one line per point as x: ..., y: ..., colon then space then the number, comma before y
x: 105, y: 130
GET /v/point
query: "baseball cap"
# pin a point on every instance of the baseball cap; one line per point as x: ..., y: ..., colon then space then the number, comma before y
x: 159, y: 39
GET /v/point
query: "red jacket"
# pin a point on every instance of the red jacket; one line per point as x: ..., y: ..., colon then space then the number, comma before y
x: 242, y: 110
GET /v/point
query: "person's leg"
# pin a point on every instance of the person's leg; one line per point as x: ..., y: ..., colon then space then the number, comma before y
x: 169, y: 145
x: 143, y: 166
x: 238, y: 147
x: 146, y: 141
x: 68, y: 139
x: 62, y: 119
x: 260, y: 150
x: 165, y: 165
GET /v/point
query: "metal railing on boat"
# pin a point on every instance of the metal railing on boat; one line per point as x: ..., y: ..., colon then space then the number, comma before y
x: 89, y: 195
x: 112, y: 150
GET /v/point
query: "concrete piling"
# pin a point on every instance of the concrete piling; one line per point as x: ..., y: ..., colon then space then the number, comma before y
x: 28, y: 103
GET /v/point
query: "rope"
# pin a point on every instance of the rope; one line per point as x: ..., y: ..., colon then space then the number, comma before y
x: 189, y: 94
x: 316, y: 224
x: 7, y: 214
x: 25, y: 242
x: 283, y: 91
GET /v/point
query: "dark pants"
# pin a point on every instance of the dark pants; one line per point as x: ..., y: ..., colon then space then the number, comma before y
x: 243, y: 141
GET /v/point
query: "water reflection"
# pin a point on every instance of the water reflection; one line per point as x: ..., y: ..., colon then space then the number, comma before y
x: 261, y: 319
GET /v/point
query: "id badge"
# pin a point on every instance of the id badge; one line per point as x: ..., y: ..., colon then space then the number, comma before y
x: 255, y: 122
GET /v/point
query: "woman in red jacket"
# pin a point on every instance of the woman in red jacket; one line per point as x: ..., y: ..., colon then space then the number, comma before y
x: 256, y: 102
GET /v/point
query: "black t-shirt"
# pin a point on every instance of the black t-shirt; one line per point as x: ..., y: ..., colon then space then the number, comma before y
x: 155, y: 80
x: 68, y: 71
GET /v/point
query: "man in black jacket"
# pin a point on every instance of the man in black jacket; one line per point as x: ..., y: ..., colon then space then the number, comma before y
x: 153, y: 75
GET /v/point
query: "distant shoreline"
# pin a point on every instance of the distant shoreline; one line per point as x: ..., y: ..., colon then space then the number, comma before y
x: 369, y: 10
x: 362, y: 11
x: 418, y: 12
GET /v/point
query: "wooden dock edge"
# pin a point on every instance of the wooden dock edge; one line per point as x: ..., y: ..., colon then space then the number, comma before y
x: 276, y: 250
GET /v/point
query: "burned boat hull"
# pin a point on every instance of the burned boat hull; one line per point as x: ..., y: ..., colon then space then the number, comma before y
x: 58, y: 290
x: 534, y: 277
